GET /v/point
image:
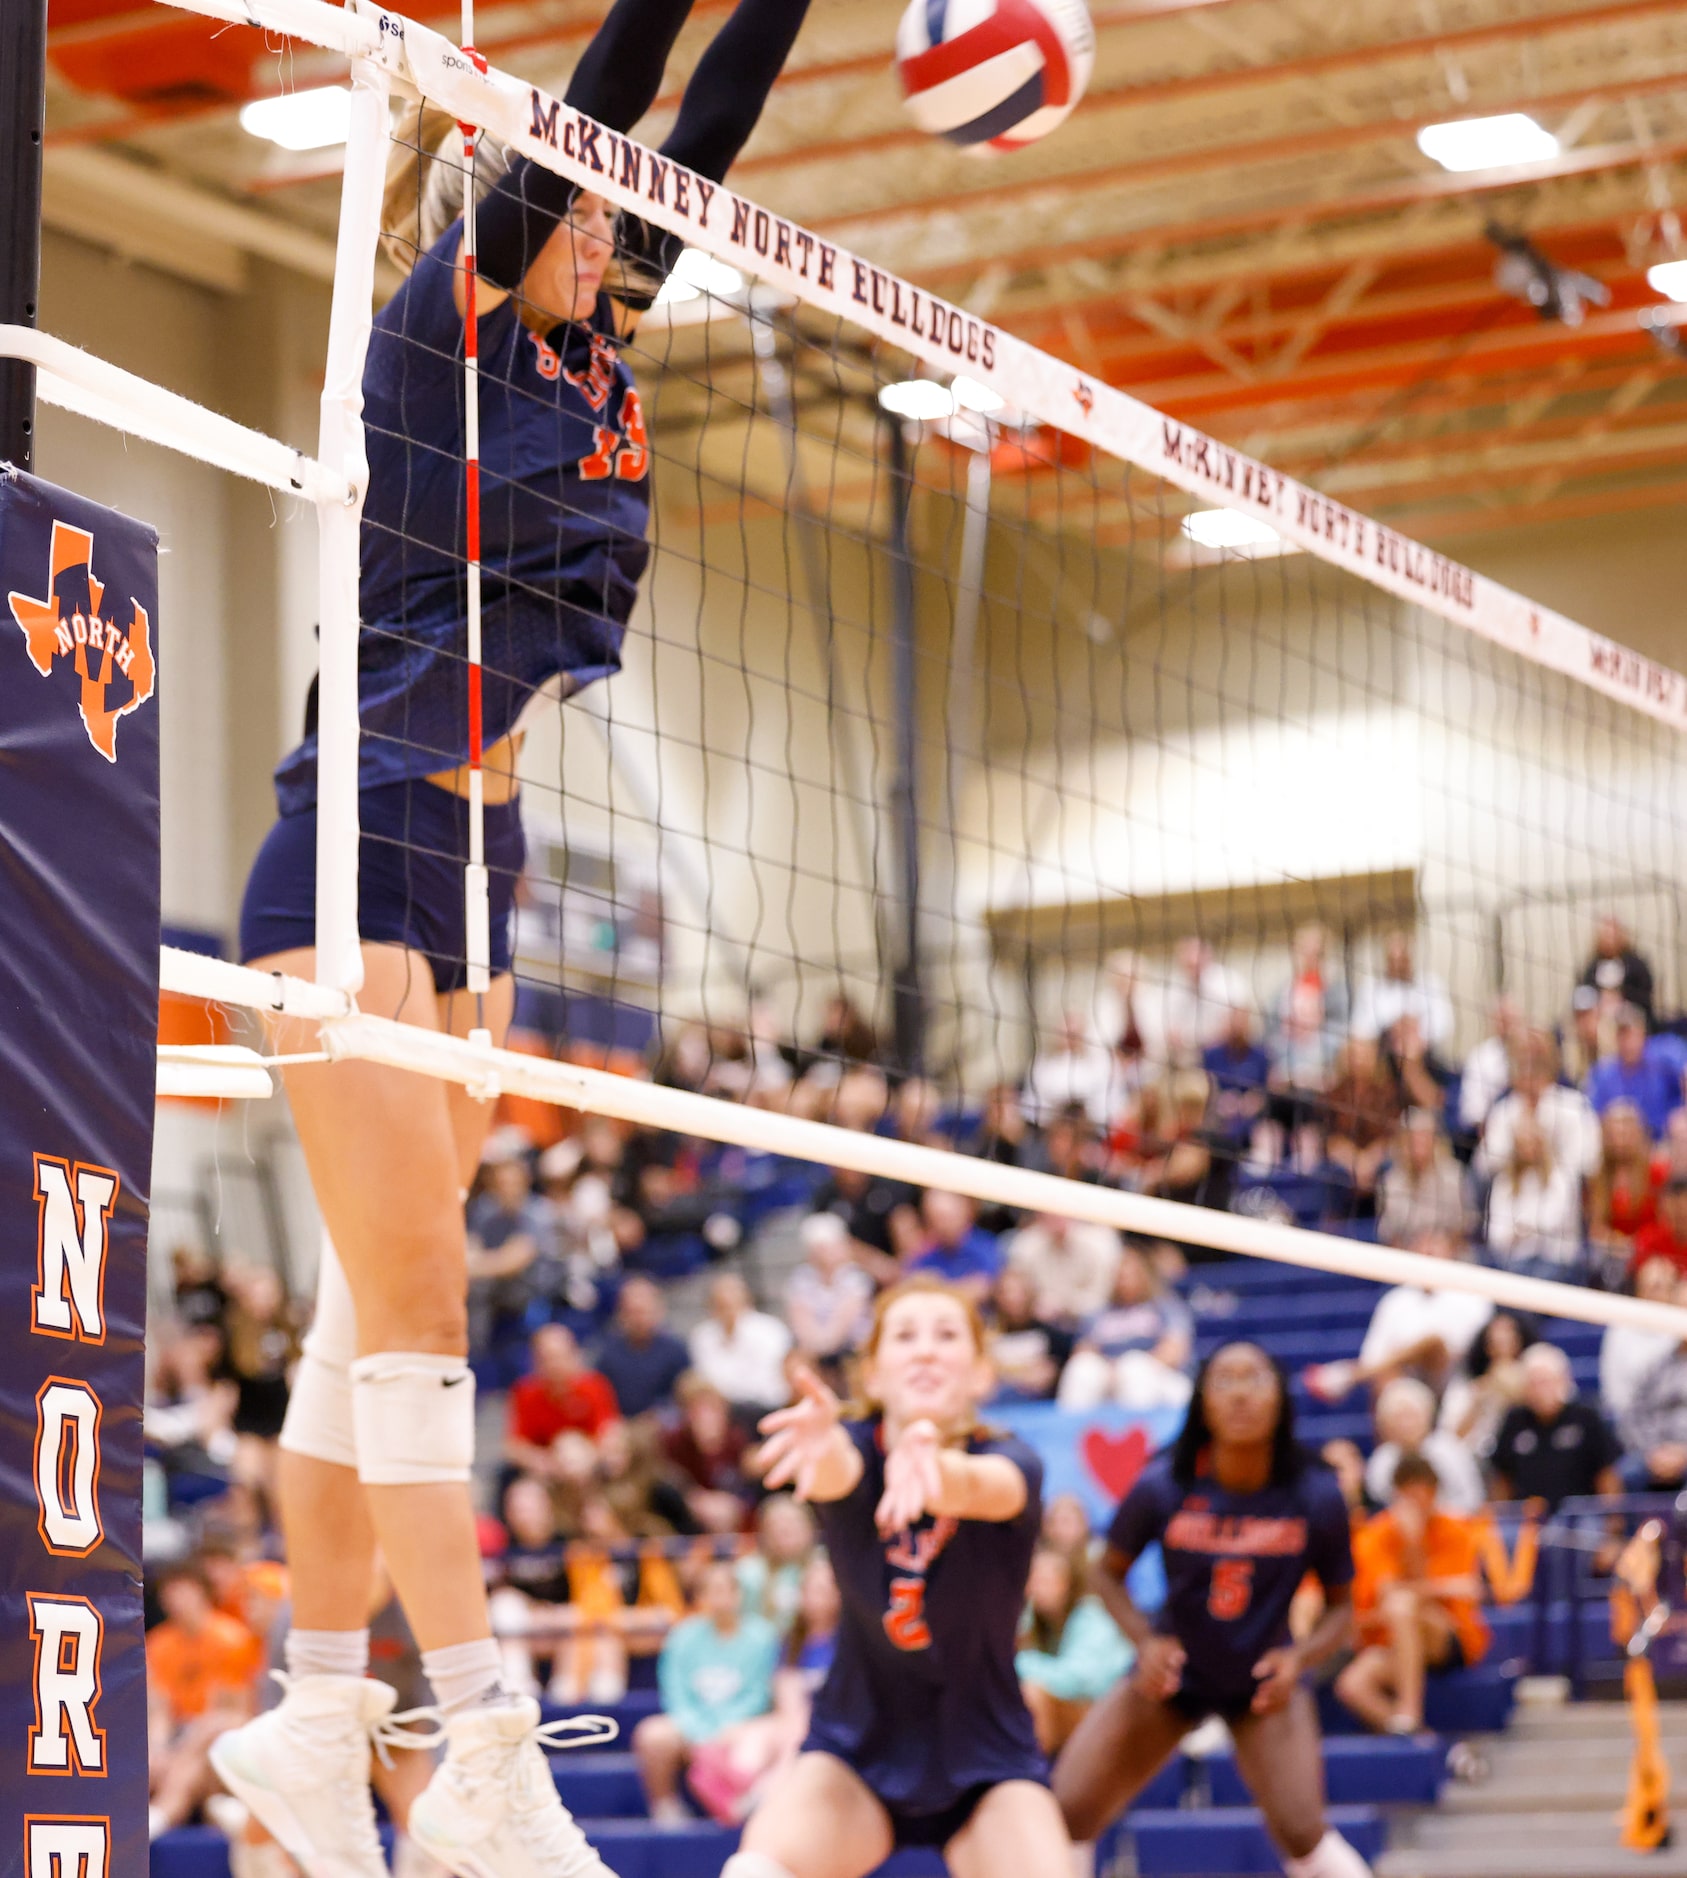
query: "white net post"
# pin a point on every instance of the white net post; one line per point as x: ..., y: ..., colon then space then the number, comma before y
x: 339, y: 959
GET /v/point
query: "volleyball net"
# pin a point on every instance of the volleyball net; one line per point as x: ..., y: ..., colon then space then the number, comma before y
x: 976, y: 719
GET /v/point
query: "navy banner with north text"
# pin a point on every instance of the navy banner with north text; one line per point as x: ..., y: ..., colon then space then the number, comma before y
x: 79, y: 884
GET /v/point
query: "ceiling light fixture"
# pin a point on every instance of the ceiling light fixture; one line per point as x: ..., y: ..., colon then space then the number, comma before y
x: 1487, y: 143
x: 301, y: 120
x: 1668, y: 278
x: 1226, y: 528
x: 970, y: 395
x: 922, y: 399
x: 696, y: 273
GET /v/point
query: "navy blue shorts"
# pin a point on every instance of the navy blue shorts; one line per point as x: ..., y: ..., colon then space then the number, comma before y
x: 935, y: 1829
x: 1197, y: 1699
x: 415, y: 843
x: 937, y: 1826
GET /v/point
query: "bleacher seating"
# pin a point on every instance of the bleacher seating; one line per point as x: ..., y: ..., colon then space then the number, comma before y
x: 1194, y: 1821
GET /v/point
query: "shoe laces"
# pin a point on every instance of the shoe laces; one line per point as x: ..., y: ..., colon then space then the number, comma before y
x: 535, y: 1806
x: 410, y: 1729
x: 588, y: 1731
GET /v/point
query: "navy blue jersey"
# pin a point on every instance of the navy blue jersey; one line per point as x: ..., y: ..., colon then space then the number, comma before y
x: 1234, y: 1561
x: 922, y: 1700
x: 565, y: 499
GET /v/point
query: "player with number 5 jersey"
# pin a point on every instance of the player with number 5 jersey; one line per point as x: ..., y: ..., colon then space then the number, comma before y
x: 919, y: 1735
x: 1242, y: 1515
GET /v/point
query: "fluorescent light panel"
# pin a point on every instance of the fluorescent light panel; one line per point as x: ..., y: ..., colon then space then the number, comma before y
x: 1487, y: 143
x: 301, y: 120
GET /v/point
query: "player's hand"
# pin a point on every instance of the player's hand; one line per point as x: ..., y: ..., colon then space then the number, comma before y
x: 1159, y: 1667
x: 799, y: 1437
x: 1278, y: 1675
x: 913, y: 1478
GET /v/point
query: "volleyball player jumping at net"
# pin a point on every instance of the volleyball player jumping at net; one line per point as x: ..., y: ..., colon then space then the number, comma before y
x: 1241, y: 1513
x: 379, y: 1436
x: 919, y: 1735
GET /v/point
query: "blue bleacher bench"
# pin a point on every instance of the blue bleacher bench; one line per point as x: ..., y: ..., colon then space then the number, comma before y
x: 1359, y: 1770
x: 1228, y: 1841
x: 1459, y: 1702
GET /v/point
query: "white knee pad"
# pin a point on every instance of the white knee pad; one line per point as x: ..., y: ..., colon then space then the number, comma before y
x: 753, y: 1865
x: 413, y: 1414
x: 319, y: 1413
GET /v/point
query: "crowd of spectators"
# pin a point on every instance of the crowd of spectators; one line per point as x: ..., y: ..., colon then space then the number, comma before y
x: 623, y: 1515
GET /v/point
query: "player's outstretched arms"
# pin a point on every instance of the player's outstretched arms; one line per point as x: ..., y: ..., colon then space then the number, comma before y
x: 923, y: 1476
x: 806, y: 1448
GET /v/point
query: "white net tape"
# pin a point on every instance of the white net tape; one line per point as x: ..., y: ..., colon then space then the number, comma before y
x: 391, y: 50
x: 488, y: 1072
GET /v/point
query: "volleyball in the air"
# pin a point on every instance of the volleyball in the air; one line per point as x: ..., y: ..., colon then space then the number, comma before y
x: 993, y: 75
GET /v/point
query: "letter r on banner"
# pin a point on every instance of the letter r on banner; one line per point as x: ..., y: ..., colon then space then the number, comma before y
x: 68, y: 1633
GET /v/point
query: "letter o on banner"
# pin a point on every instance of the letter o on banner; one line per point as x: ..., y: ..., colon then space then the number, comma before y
x: 67, y: 1467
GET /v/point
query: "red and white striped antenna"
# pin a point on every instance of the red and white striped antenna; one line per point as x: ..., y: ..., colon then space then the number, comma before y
x: 477, y: 915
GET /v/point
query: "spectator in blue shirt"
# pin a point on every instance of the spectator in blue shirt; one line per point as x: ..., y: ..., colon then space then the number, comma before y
x: 642, y: 1358
x: 955, y: 1247
x: 715, y: 1671
x: 512, y: 1252
x: 1137, y: 1350
x: 1239, y: 1068
x: 1644, y: 1072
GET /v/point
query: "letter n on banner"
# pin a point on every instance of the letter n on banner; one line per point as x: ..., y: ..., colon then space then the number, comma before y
x: 79, y: 850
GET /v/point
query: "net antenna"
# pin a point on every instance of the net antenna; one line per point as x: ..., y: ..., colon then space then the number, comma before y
x: 477, y: 919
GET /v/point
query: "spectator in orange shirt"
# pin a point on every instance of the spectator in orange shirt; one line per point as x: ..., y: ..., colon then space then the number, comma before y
x: 1416, y: 1595
x: 202, y: 1668
x: 560, y: 1396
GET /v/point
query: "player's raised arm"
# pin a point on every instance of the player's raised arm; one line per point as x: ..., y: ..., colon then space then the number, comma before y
x: 721, y: 107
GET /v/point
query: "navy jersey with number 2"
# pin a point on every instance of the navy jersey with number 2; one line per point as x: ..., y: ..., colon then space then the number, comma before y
x: 921, y: 1700
x: 1233, y: 1564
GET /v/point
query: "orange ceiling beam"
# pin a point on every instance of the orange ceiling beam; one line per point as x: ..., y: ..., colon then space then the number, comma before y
x: 1427, y: 525
x: 1510, y: 347
x: 1324, y: 140
x: 1234, y: 78
x: 1660, y: 151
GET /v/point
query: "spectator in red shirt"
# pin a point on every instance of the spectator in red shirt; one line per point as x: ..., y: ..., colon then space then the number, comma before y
x: 560, y: 1396
x: 1666, y: 1237
x: 1622, y: 1198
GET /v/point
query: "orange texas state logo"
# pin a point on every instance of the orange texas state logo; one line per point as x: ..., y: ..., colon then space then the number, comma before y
x: 67, y: 623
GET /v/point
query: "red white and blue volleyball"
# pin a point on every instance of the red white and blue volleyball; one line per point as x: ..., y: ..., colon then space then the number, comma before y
x: 993, y: 75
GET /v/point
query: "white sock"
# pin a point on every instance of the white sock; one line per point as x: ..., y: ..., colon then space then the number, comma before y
x: 327, y: 1652
x: 462, y: 1673
x: 1331, y: 1857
